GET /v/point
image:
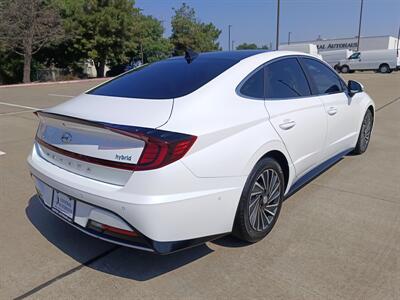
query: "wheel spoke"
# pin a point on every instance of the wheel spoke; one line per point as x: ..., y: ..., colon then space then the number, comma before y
x: 275, y: 189
x: 270, y: 212
x: 274, y: 196
x: 262, y: 219
x: 252, y: 202
x: 259, y: 186
x: 258, y: 219
x: 253, y: 215
x: 272, y: 205
x: 265, y: 182
x: 255, y: 193
x: 274, y: 179
x: 266, y: 217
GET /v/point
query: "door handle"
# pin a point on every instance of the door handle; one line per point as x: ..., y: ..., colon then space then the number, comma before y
x: 287, y: 124
x: 332, y: 111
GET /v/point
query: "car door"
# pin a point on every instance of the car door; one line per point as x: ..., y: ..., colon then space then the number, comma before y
x: 354, y: 61
x: 298, y: 118
x: 340, y: 108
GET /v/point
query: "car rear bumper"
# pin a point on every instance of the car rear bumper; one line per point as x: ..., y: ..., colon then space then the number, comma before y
x: 140, y: 242
x: 184, y: 212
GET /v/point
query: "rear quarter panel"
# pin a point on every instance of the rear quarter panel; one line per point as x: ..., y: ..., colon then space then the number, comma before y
x: 233, y: 132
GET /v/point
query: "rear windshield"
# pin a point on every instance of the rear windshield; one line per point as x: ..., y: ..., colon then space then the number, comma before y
x: 165, y: 79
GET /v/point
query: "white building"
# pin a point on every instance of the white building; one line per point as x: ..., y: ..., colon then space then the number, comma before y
x: 366, y: 43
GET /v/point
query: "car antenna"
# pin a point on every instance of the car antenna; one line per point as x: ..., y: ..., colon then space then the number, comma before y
x: 190, y: 55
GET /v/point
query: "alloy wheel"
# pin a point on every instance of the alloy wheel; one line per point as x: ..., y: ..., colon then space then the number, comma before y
x: 366, y: 129
x: 264, y: 200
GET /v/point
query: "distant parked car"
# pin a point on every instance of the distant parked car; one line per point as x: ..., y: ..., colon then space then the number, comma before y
x: 383, y: 61
x: 185, y: 150
x: 334, y: 57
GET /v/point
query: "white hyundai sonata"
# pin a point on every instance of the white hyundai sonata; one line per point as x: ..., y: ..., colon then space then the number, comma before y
x: 188, y: 149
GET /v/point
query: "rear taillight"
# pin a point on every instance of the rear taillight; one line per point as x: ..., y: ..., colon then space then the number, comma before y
x: 161, y: 148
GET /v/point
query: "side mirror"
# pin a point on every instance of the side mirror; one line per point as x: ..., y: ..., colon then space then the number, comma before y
x: 354, y: 87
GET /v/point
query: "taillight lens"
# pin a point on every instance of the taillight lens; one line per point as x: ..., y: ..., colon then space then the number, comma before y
x: 162, y: 147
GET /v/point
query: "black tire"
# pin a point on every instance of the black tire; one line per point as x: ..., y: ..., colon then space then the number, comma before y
x: 384, y: 68
x: 254, y: 210
x: 365, y: 133
x: 345, y: 69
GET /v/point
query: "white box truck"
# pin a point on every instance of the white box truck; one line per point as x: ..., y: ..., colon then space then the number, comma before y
x: 334, y: 57
x: 305, y: 48
x: 383, y: 61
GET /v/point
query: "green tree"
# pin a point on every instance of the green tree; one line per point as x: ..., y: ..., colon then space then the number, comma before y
x: 189, y: 32
x: 251, y: 46
x: 151, y: 45
x: 102, y: 30
x: 26, y: 26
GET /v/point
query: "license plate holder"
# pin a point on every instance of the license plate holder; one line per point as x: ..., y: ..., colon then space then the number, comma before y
x: 63, y: 205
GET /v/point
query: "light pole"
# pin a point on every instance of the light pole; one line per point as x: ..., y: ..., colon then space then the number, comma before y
x: 277, y: 24
x: 288, y: 39
x: 359, y: 26
x: 229, y: 37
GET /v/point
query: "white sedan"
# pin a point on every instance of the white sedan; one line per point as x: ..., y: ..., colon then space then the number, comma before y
x: 188, y: 149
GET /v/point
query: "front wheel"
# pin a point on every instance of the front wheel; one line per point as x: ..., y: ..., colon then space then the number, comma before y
x: 365, y: 133
x: 261, y: 201
x: 345, y: 69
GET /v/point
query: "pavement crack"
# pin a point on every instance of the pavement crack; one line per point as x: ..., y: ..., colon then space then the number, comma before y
x: 67, y: 273
x: 387, y: 104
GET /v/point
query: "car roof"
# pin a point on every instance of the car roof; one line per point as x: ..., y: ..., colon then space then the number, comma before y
x: 236, y: 55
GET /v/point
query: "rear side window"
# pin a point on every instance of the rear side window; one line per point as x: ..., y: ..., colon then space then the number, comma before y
x: 254, y: 86
x: 285, y: 79
x: 323, y: 79
x: 166, y: 79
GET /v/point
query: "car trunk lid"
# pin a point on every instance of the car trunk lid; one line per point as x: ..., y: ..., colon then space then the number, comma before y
x: 88, y: 135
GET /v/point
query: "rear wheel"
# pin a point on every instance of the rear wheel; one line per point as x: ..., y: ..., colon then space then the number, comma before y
x: 384, y: 68
x: 345, y: 69
x: 261, y: 201
x: 365, y: 133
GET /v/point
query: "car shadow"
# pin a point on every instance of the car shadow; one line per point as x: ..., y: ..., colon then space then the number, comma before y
x: 118, y: 261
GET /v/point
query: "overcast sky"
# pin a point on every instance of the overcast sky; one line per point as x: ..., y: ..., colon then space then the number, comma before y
x: 254, y: 21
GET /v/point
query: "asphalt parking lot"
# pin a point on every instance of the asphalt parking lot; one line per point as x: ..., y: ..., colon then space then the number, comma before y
x: 336, y: 238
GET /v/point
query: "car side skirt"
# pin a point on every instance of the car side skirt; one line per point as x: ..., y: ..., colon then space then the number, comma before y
x: 306, y: 178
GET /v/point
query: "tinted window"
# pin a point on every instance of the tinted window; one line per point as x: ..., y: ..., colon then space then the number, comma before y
x: 285, y: 79
x: 323, y: 79
x: 354, y: 55
x: 254, y: 86
x: 166, y: 79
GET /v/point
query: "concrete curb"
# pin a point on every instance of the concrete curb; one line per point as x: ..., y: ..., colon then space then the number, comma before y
x: 53, y: 82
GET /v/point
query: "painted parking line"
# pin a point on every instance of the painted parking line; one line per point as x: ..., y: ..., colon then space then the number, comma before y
x: 19, y: 106
x: 2, y: 153
x: 16, y: 113
x: 59, y: 95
